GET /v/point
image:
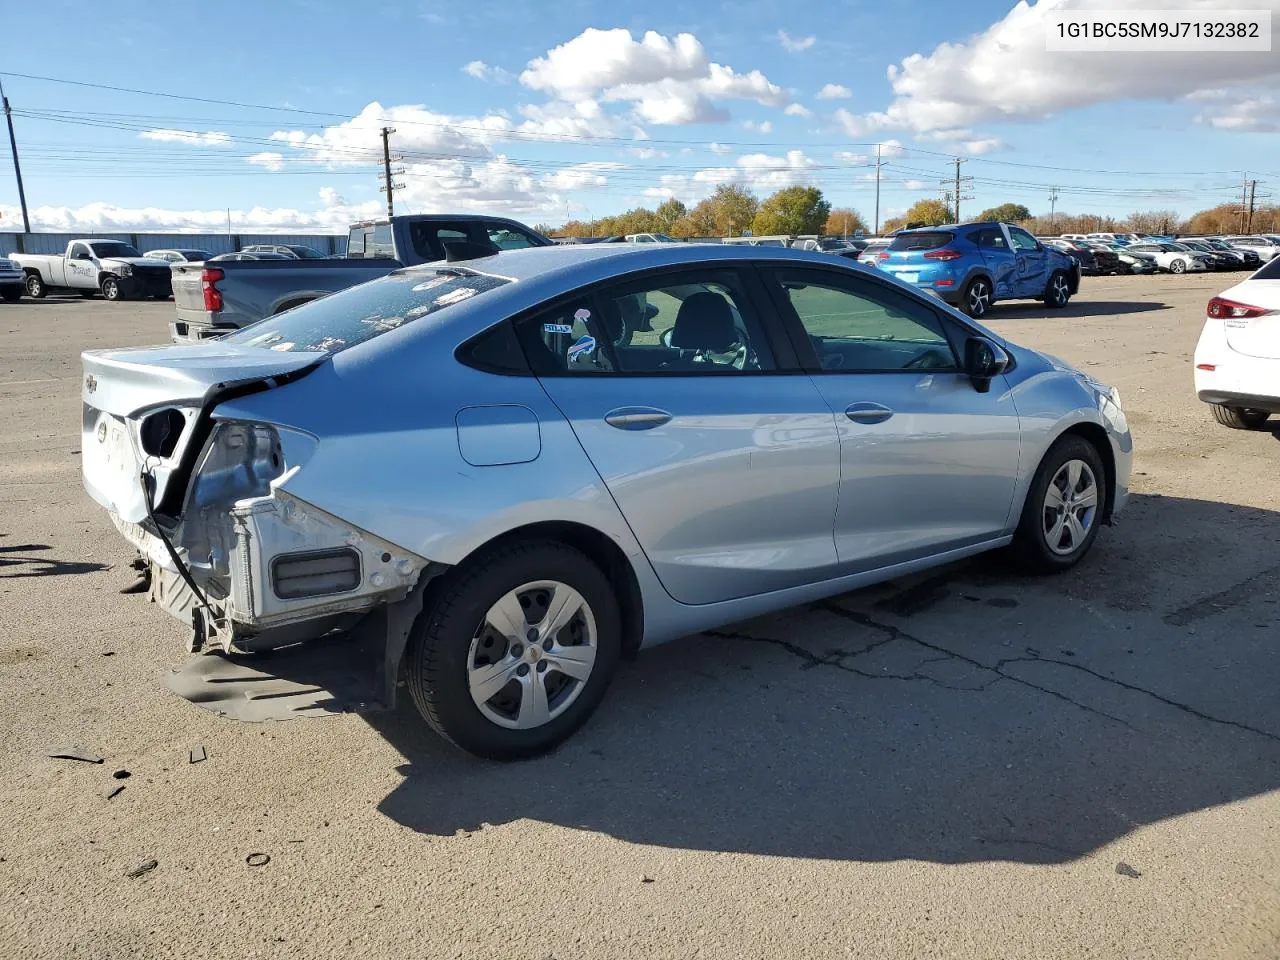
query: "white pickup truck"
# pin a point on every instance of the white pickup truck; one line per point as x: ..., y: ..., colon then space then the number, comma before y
x: 110, y: 267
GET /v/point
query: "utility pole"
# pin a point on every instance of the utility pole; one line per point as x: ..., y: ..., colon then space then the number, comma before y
x: 1244, y: 200
x: 951, y: 197
x: 17, y: 168
x: 389, y: 185
x: 1053, y: 206
x: 876, y: 232
x: 1248, y: 224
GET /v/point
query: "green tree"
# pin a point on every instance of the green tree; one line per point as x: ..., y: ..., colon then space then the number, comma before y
x: 725, y: 213
x: 792, y: 210
x: 925, y: 213
x: 1006, y: 213
x: 844, y: 222
x: 668, y: 213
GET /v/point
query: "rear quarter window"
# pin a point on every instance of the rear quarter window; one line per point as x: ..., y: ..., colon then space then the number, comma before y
x: 1269, y: 271
x: 921, y: 241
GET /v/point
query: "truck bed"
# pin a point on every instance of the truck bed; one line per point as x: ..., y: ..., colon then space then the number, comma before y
x: 254, y: 289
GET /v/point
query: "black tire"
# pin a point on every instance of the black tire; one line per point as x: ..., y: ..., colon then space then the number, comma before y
x: 1239, y: 418
x: 1057, y: 292
x: 36, y: 289
x: 1030, y: 549
x: 976, y: 300
x: 111, y: 289
x: 1178, y: 266
x: 436, y: 665
x: 11, y: 294
x: 88, y: 294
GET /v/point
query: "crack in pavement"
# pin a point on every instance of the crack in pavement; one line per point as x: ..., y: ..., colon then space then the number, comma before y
x: 1220, y: 601
x: 896, y: 633
x: 836, y: 658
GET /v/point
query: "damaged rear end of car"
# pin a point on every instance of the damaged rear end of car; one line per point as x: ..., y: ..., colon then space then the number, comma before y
x: 224, y: 546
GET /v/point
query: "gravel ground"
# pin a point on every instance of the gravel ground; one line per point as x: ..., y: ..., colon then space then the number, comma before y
x: 966, y: 764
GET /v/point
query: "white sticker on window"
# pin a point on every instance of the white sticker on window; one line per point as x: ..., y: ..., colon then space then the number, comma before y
x: 582, y: 313
x: 557, y: 328
x: 284, y: 347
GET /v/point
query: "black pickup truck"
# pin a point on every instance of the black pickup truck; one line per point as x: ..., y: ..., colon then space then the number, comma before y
x: 216, y: 297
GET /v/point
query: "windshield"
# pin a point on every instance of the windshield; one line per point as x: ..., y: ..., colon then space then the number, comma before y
x: 193, y: 255
x: 112, y: 248
x: 342, y: 320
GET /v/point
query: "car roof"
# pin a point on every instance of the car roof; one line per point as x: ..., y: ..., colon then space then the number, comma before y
x: 575, y: 264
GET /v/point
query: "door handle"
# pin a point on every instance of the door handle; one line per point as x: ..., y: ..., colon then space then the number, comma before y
x: 636, y: 418
x: 867, y: 412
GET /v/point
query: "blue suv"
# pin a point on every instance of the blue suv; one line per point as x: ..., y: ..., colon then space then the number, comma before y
x: 972, y: 265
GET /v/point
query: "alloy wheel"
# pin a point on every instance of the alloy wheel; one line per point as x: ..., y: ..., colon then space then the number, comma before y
x: 979, y: 298
x: 1070, y: 507
x: 1060, y: 289
x: 532, y: 655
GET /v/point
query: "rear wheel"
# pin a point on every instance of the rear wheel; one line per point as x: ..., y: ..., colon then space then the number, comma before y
x: 977, y: 298
x: 1239, y: 418
x: 1066, y: 502
x: 35, y: 286
x: 516, y: 651
x: 1178, y: 266
x: 1058, y: 291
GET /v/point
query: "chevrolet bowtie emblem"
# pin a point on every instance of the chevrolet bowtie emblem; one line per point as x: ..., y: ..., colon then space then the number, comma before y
x: 90, y: 383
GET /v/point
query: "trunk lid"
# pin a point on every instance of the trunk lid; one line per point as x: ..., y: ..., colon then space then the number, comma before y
x: 1255, y: 336
x: 188, y: 289
x: 164, y: 393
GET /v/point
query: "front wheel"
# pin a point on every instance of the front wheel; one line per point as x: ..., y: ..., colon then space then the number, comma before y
x: 111, y: 288
x: 1178, y: 266
x: 516, y: 651
x: 1239, y: 418
x: 35, y: 286
x: 1066, y: 502
x: 977, y: 298
x: 1058, y: 290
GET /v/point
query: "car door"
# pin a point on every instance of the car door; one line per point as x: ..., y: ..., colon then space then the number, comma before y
x: 1032, y: 273
x: 81, y: 268
x: 721, y: 455
x: 927, y: 463
x: 998, y: 259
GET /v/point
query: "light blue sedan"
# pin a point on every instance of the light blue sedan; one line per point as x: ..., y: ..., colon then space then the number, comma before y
x: 484, y: 474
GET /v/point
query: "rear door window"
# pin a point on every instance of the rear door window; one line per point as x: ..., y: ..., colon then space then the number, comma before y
x: 381, y: 243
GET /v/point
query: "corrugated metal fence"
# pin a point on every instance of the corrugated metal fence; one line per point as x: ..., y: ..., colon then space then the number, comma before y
x: 213, y: 242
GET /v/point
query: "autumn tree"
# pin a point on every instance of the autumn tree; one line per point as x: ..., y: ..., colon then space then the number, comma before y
x: 1005, y: 213
x: 792, y: 210
x: 924, y: 213
x: 726, y: 213
x: 1153, y: 221
x: 844, y: 222
x: 669, y: 212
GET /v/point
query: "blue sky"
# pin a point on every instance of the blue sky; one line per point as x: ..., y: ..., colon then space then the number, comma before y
x: 548, y: 110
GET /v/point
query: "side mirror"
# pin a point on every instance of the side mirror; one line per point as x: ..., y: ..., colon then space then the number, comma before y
x: 984, y: 360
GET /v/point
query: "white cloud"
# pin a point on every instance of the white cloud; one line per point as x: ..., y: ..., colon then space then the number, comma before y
x: 848, y: 156
x: 582, y: 175
x: 667, y: 81
x: 483, y: 71
x: 583, y: 118
x: 209, y: 138
x: 268, y: 160
x: 759, y: 172
x: 914, y: 184
x: 1004, y: 74
x: 647, y: 153
x: 889, y: 150
x: 795, y: 44
x: 797, y: 110
x: 983, y: 145
x: 418, y: 130
x: 835, y: 91
x: 1231, y: 111
x: 763, y: 127
x: 719, y: 149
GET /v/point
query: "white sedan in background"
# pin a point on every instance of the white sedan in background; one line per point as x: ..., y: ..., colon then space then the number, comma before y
x: 1238, y: 356
x: 1173, y: 257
